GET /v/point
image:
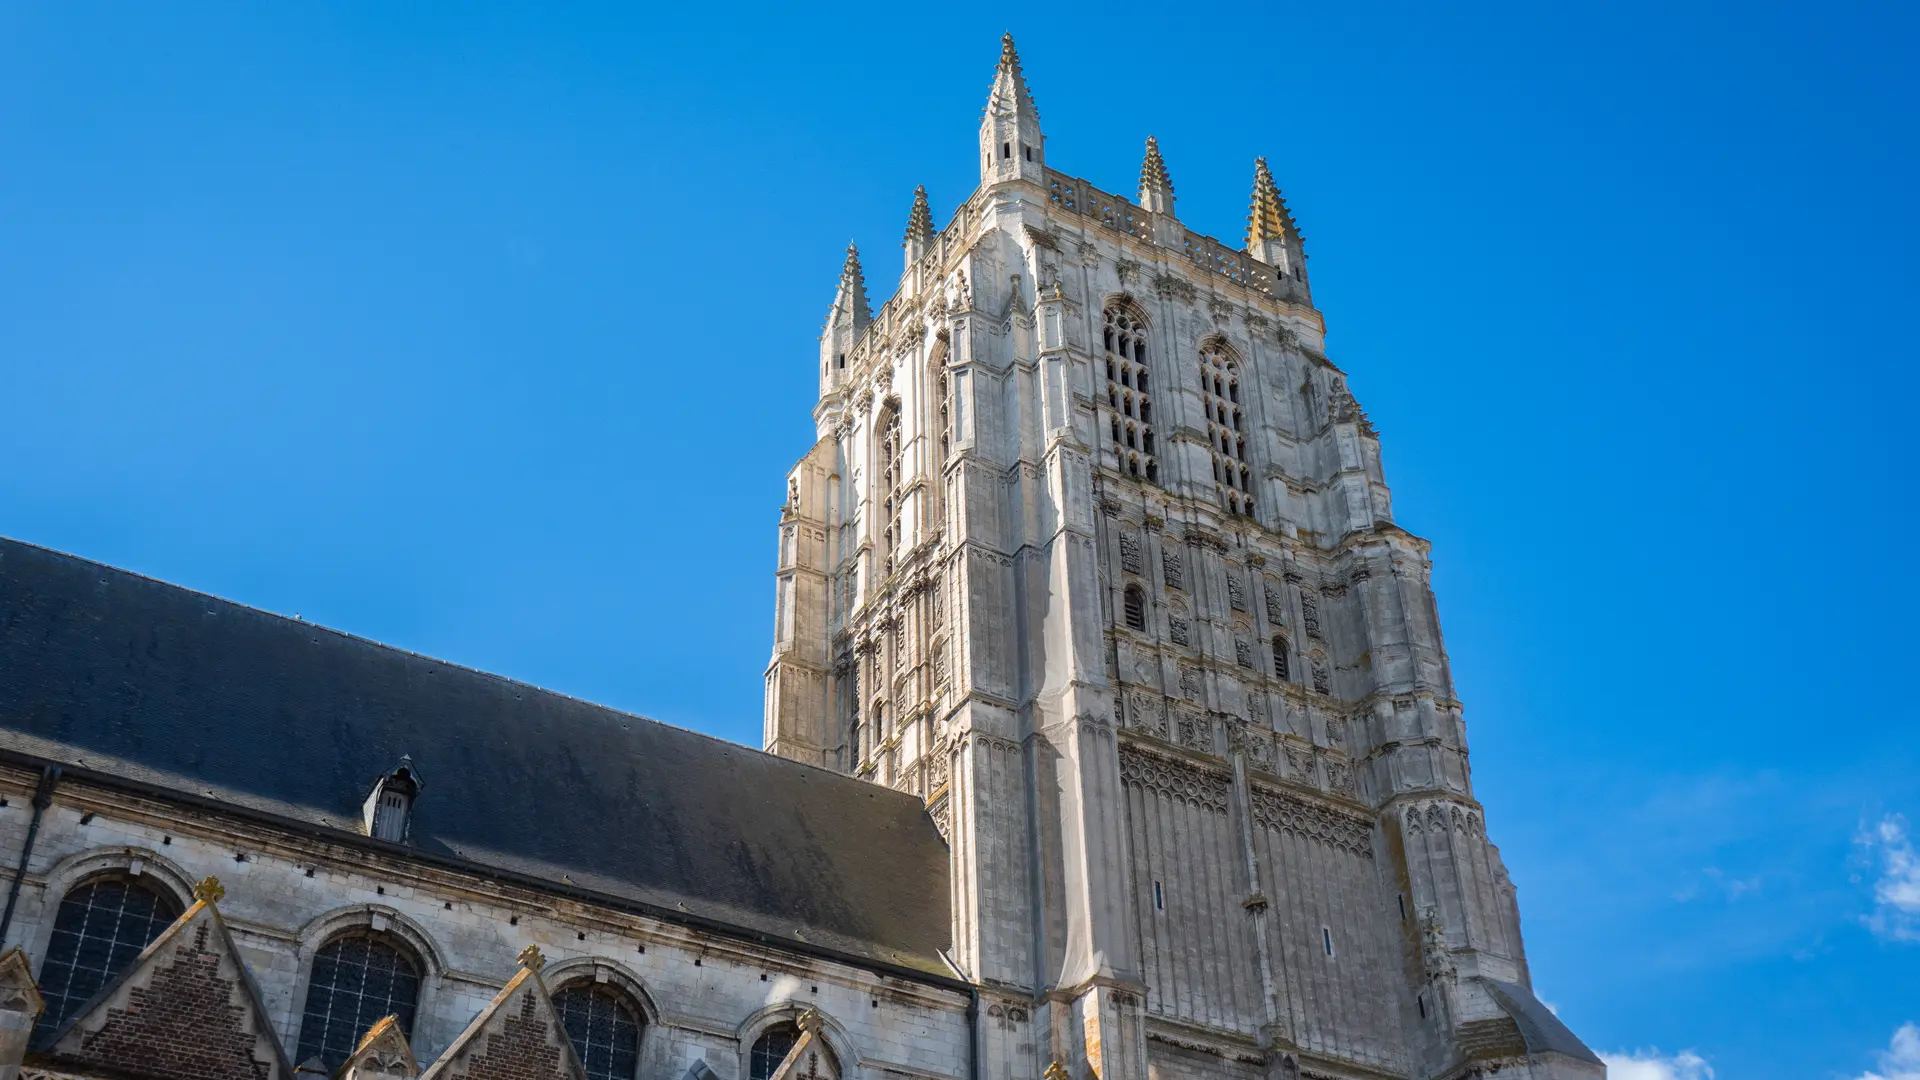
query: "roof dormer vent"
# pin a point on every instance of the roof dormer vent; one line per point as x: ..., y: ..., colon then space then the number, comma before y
x: 388, y: 811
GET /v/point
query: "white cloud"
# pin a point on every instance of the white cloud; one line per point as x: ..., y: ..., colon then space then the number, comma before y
x: 1685, y: 1065
x: 1901, y: 1059
x: 1896, y: 895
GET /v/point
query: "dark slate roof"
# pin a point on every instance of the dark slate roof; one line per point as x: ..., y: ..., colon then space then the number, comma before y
x: 1539, y: 1028
x: 144, y: 681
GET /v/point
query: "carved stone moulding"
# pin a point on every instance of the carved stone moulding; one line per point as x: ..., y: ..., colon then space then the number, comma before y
x: 1344, y: 830
x: 1207, y: 789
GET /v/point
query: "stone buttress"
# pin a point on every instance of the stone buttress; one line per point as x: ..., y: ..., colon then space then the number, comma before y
x: 1095, y: 554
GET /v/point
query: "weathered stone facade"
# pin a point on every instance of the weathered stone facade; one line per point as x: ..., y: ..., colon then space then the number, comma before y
x: 1094, y: 552
x: 1141, y: 755
x: 705, y: 996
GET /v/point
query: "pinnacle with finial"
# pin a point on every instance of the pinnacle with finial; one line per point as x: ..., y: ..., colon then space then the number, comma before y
x: 1056, y: 1071
x: 209, y: 891
x: 1010, y: 91
x: 532, y: 958
x: 1268, y: 218
x: 919, y: 219
x: 853, y: 287
x: 1156, y: 187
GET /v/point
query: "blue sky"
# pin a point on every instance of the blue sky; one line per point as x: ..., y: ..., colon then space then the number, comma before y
x: 489, y: 332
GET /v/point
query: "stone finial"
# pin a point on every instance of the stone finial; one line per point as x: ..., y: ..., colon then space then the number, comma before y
x: 1056, y: 1071
x: 811, y: 1021
x: 1009, y: 82
x: 919, y: 220
x: 532, y: 958
x: 1156, y: 187
x: 1268, y: 217
x: 209, y: 891
x: 1011, y: 144
x: 851, y: 300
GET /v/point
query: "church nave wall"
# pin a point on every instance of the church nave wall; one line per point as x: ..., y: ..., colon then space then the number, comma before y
x: 701, y: 995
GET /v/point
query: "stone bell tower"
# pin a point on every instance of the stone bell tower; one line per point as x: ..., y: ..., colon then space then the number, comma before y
x: 1094, y: 552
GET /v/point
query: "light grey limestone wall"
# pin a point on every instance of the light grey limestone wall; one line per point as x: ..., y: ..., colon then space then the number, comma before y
x: 705, y: 995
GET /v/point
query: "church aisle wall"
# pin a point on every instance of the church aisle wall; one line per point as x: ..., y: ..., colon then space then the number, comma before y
x: 706, y: 995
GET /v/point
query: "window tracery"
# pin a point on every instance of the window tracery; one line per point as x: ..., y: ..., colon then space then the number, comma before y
x: 1226, y: 427
x: 604, y: 1026
x: 770, y: 1049
x: 1130, y: 404
x: 358, y: 978
x: 892, y: 481
x: 100, y: 927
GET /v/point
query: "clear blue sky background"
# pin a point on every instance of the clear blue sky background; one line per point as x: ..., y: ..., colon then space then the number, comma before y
x: 489, y: 332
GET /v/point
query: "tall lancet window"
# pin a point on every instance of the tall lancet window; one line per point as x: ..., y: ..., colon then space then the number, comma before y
x: 1226, y: 427
x: 1130, y: 422
x: 892, y: 485
x: 943, y: 393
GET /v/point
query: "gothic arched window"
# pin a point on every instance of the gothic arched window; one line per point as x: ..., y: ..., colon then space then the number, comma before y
x: 1125, y: 338
x: 770, y: 1049
x: 100, y: 927
x: 1280, y: 656
x: 1226, y: 427
x: 892, y: 483
x: 1135, y: 603
x: 604, y: 1025
x: 358, y: 978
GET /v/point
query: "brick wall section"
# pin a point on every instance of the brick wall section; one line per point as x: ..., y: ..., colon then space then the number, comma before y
x: 525, y: 1046
x: 1491, y: 1040
x: 182, y: 1025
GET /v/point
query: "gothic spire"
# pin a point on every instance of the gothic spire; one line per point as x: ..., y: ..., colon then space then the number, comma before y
x: 1011, y: 146
x: 919, y: 227
x: 850, y: 299
x: 1010, y: 91
x: 1272, y: 236
x: 1156, y: 187
x: 1268, y: 218
x: 847, y: 319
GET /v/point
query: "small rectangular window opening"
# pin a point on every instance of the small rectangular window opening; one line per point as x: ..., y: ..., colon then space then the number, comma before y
x: 1422, y: 1002
x: 1006, y: 151
x: 1401, y: 899
x: 1028, y: 150
x: 1326, y: 939
x: 1159, y: 901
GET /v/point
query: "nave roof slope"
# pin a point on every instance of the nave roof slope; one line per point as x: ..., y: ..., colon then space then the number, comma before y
x: 137, y: 679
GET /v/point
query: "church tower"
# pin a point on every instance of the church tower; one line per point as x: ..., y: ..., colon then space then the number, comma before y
x: 1094, y: 552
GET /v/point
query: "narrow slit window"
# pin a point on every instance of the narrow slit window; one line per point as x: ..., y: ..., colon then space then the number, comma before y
x: 1159, y: 899
x: 1326, y: 939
